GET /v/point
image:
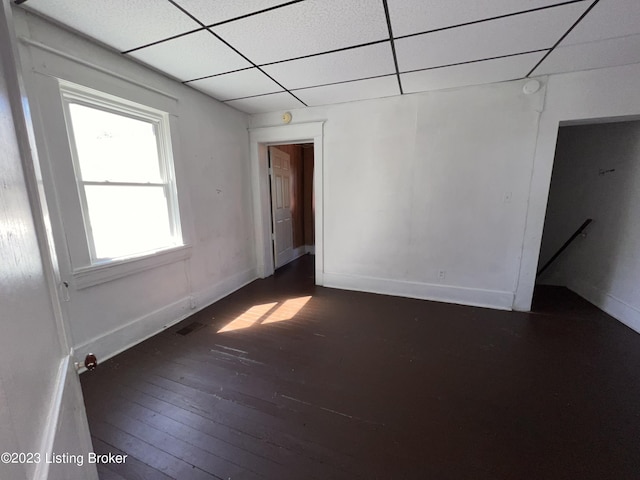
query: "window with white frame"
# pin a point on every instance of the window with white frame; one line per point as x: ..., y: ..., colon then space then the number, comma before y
x: 123, y: 167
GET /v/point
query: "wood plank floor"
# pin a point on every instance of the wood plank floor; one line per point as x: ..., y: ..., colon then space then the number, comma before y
x: 367, y: 386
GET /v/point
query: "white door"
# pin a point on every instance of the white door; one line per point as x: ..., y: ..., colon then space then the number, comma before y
x: 281, y: 206
x: 41, y: 406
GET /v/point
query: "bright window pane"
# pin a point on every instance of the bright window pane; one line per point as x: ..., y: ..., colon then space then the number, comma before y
x: 114, y: 147
x: 127, y: 220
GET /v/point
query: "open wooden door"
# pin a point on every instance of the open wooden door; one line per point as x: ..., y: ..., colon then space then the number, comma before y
x: 41, y: 405
x: 280, y: 172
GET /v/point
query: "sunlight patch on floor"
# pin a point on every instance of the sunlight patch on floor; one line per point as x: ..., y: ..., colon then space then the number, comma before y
x: 259, y: 314
x: 287, y: 310
x: 248, y: 318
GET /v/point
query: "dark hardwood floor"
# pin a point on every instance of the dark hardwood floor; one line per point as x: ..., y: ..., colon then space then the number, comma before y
x: 368, y: 386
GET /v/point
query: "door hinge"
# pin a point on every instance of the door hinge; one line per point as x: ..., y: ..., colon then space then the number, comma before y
x: 270, y: 170
x: 273, y: 237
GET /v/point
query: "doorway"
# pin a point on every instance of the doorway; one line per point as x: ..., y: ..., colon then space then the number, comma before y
x: 596, y: 176
x: 291, y: 191
x: 260, y: 139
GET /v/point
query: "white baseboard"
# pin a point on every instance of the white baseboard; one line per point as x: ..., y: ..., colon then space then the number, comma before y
x: 310, y: 249
x: 213, y: 293
x: 126, y: 336
x: 65, y: 429
x: 53, y: 417
x: 425, y: 291
x: 618, y: 309
x: 298, y: 252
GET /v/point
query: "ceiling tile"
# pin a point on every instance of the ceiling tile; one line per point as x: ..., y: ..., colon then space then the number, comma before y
x: 192, y: 56
x: 585, y: 56
x: 608, y: 19
x: 121, y: 24
x: 237, y: 85
x: 305, y: 28
x: 266, y: 103
x: 506, y: 36
x: 415, y: 16
x: 353, y: 64
x: 488, y: 71
x: 350, y: 91
x: 209, y: 12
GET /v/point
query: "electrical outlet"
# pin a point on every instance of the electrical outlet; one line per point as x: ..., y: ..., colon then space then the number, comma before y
x: 192, y: 302
x: 442, y: 274
x: 506, y: 197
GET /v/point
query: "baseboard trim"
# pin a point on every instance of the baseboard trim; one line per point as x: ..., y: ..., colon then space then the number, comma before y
x: 66, y: 428
x: 310, y: 249
x: 475, y: 297
x: 53, y: 417
x: 126, y: 336
x: 213, y: 293
x: 618, y: 309
x: 298, y: 252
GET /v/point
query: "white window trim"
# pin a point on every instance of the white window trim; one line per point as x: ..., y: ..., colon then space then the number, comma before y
x: 86, y: 277
x: 89, y: 270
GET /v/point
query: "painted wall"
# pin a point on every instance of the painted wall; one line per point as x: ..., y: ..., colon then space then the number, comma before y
x: 427, y: 183
x: 32, y: 346
x: 27, y: 373
x: 469, y: 174
x: 606, y: 263
x: 574, y: 98
x: 434, y: 206
x: 213, y: 176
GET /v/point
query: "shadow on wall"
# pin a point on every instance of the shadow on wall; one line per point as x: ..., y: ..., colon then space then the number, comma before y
x: 596, y: 175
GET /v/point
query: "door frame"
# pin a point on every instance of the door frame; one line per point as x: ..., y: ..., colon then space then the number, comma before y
x: 259, y: 141
x: 540, y: 185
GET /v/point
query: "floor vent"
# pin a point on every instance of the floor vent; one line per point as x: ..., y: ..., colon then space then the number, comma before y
x: 192, y: 327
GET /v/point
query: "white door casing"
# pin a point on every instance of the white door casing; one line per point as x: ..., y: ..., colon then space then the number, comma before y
x: 259, y: 139
x: 280, y: 173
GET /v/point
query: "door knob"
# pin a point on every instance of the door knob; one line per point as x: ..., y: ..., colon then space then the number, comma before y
x: 90, y: 362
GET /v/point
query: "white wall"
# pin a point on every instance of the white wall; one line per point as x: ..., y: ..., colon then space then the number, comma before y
x: 416, y: 184
x: 213, y: 175
x: 33, y: 349
x: 581, y: 97
x: 604, y: 266
x: 427, y: 182
x: 451, y: 180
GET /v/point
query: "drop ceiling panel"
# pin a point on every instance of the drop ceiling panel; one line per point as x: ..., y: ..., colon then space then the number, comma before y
x: 192, y: 56
x: 415, y: 16
x: 608, y: 19
x: 266, y: 103
x: 585, y: 56
x: 122, y: 24
x: 305, y: 28
x: 353, y: 64
x: 488, y: 71
x: 312, y: 46
x: 237, y: 85
x: 506, y: 36
x: 350, y: 91
x: 209, y: 12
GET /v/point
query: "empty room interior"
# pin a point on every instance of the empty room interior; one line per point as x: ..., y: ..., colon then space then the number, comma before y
x: 329, y: 239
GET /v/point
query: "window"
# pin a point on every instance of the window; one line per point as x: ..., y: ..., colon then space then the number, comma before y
x: 123, y: 165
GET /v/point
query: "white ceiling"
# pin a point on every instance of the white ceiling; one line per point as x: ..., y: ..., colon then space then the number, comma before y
x: 270, y: 55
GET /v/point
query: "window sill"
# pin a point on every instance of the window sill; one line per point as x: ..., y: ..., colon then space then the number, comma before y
x: 86, y: 277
